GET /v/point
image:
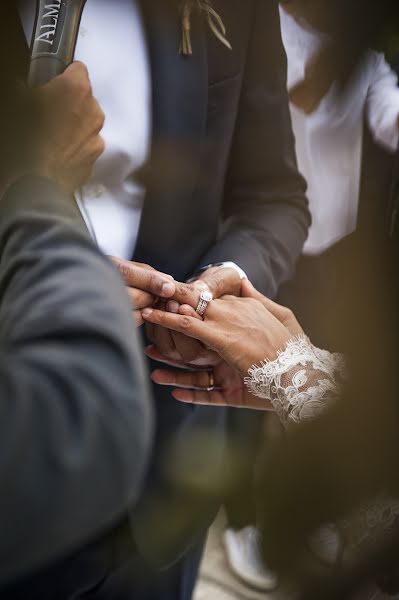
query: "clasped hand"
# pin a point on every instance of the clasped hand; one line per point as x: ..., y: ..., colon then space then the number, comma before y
x: 150, y: 288
x: 236, y: 332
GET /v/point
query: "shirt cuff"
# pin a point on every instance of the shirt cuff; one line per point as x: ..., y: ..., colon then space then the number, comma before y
x: 229, y: 264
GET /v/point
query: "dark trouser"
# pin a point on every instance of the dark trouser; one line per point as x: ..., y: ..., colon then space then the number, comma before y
x: 240, y: 506
x: 135, y: 580
x: 110, y: 569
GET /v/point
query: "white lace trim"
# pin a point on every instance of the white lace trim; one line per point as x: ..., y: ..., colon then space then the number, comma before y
x: 301, y: 382
x: 372, y: 521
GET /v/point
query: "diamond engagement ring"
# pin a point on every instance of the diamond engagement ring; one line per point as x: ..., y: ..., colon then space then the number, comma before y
x: 205, y: 298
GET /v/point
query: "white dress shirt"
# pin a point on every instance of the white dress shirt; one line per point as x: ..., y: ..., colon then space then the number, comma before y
x: 112, y: 45
x: 329, y: 141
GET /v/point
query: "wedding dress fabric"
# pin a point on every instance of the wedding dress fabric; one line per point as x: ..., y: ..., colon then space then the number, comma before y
x: 301, y: 383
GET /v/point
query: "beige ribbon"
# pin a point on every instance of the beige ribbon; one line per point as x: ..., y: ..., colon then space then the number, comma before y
x: 214, y: 21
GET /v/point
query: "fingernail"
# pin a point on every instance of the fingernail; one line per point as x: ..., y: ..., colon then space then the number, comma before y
x: 168, y: 289
x: 185, y: 308
x: 173, y: 306
x: 147, y: 312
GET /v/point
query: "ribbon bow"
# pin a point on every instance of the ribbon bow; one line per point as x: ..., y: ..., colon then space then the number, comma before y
x: 214, y: 21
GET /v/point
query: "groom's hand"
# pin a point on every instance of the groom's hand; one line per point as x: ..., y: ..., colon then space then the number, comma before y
x: 144, y: 285
x: 220, y: 281
x: 69, y: 122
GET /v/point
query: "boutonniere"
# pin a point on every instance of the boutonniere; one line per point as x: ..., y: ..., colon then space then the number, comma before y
x: 214, y: 22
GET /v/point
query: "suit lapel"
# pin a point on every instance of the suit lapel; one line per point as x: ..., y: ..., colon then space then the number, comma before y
x: 179, y: 89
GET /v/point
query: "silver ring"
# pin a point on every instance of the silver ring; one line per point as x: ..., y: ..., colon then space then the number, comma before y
x: 212, y: 387
x: 205, y: 298
x: 211, y: 379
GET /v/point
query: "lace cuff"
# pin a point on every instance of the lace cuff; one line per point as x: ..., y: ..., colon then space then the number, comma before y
x: 301, y: 382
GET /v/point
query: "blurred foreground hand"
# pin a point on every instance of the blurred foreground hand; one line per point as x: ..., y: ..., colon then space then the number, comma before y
x: 67, y: 133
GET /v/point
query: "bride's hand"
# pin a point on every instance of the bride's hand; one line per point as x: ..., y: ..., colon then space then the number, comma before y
x: 243, y: 331
x: 282, y: 313
x: 220, y: 385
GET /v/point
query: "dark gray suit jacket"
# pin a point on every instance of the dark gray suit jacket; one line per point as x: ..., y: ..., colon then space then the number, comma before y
x: 75, y: 412
x: 222, y: 184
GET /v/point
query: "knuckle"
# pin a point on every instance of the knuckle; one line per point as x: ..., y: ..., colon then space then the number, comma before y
x: 80, y: 68
x: 86, y: 86
x: 185, y: 289
x: 287, y: 314
x: 218, y: 281
x: 138, y: 318
x: 99, y: 146
x: 79, y: 78
x: 124, y: 270
x: 182, y: 289
x: 185, y: 322
x: 152, y: 280
x: 99, y: 121
x: 161, y: 320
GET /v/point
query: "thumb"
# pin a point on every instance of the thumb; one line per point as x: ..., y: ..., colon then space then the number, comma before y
x: 248, y: 291
x: 281, y: 313
x: 222, y: 281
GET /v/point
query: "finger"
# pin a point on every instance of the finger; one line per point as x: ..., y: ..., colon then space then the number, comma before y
x: 218, y: 398
x: 191, y: 351
x: 136, y: 264
x: 211, y: 359
x: 142, y: 265
x: 163, y: 341
x: 281, y: 313
x: 188, y: 311
x: 145, y: 279
x: 199, y: 397
x: 138, y: 319
x: 187, y: 293
x: 77, y: 69
x: 222, y: 281
x: 153, y: 353
x: 194, y: 380
x: 95, y: 117
x: 182, y: 324
x: 139, y: 299
x: 173, y: 306
x: 249, y: 291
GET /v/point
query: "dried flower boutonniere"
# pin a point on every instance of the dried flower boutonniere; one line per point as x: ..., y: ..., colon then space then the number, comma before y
x: 214, y: 21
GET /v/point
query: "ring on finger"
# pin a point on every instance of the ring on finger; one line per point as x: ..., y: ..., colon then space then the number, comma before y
x: 211, y: 379
x: 205, y: 298
x: 212, y: 387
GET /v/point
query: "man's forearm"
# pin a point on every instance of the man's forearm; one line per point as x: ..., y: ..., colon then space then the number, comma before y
x: 74, y: 402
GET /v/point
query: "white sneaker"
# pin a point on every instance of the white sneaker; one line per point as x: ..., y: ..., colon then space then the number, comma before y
x: 245, y: 558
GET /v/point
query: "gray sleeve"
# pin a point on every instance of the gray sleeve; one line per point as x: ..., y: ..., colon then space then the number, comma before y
x: 75, y: 410
x: 266, y: 216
